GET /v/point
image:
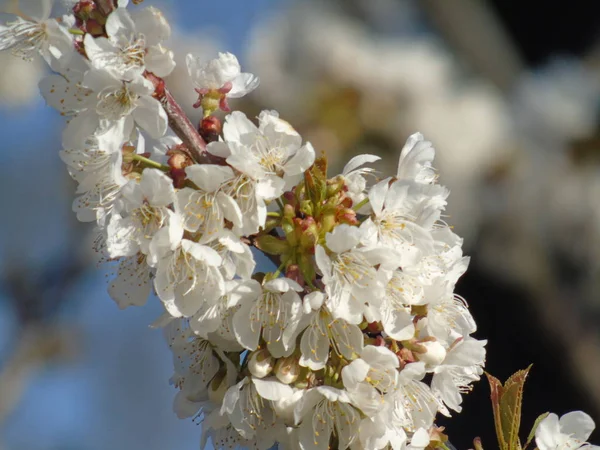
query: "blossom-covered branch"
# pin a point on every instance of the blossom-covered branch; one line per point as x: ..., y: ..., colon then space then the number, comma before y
x: 356, y: 340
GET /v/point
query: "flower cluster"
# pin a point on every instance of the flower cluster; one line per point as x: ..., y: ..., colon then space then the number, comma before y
x: 354, y: 339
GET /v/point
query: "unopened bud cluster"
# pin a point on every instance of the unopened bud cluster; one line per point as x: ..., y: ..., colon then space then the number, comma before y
x: 331, y: 348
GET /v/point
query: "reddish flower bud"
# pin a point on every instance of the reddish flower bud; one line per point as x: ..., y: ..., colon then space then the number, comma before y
x: 210, y: 128
x: 94, y: 27
x: 83, y: 9
x: 179, y: 177
x: 293, y: 273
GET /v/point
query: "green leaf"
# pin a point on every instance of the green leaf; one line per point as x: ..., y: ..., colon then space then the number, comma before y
x: 272, y: 245
x: 506, y: 404
x: 535, y: 425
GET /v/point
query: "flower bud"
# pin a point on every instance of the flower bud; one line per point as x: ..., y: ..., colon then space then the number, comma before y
x: 287, y: 369
x: 217, y: 388
x: 293, y: 273
x: 83, y: 9
x: 210, y: 128
x: 260, y: 363
x: 434, y: 355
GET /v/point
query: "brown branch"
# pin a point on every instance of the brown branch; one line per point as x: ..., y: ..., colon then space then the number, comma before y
x: 180, y: 124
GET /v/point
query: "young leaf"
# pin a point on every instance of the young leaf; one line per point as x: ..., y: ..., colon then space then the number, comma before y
x: 496, y: 395
x: 506, y: 404
x: 535, y: 425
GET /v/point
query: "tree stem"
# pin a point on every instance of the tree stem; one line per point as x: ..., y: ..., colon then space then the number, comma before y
x: 150, y: 163
x: 180, y: 124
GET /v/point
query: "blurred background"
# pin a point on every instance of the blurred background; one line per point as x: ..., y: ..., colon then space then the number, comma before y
x: 509, y: 94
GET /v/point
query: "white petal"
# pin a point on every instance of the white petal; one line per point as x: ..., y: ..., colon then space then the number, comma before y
x: 202, y: 253
x: 301, y: 161
x: 377, y: 195
x: 246, y: 332
x: 119, y: 23
x: 547, y: 433
x: 354, y: 373
x: 272, y: 389
x: 236, y: 125
x: 243, y: 84
x: 160, y: 61
x: 343, y: 238
x: 358, y: 161
x: 152, y: 24
x: 131, y: 287
x: 79, y: 129
x: 415, y: 160
x: 151, y: 116
x: 209, y: 177
x: 577, y: 423
x: 420, y: 439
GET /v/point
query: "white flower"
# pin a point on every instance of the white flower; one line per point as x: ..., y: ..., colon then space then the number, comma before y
x: 133, y: 44
x: 195, y: 364
x: 271, y: 156
x: 143, y: 210
x: 569, y: 433
x: 378, y: 432
x: 462, y: 365
x: 447, y: 317
x: 249, y: 407
x: 324, y: 411
x: 204, y: 210
x: 237, y: 256
x: 37, y: 33
x: 211, y: 316
x: 414, y: 405
x: 97, y: 167
x: 355, y: 180
x: 268, y: 315
x: 403, y: 215
x: 219, y: 79
x: 370, y: 376
x: 324, y: 332
x: 113, y: 103
x: 349, y: 273
x: 415, y: 160
x: 189, y: 277
x: 131, y: 286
